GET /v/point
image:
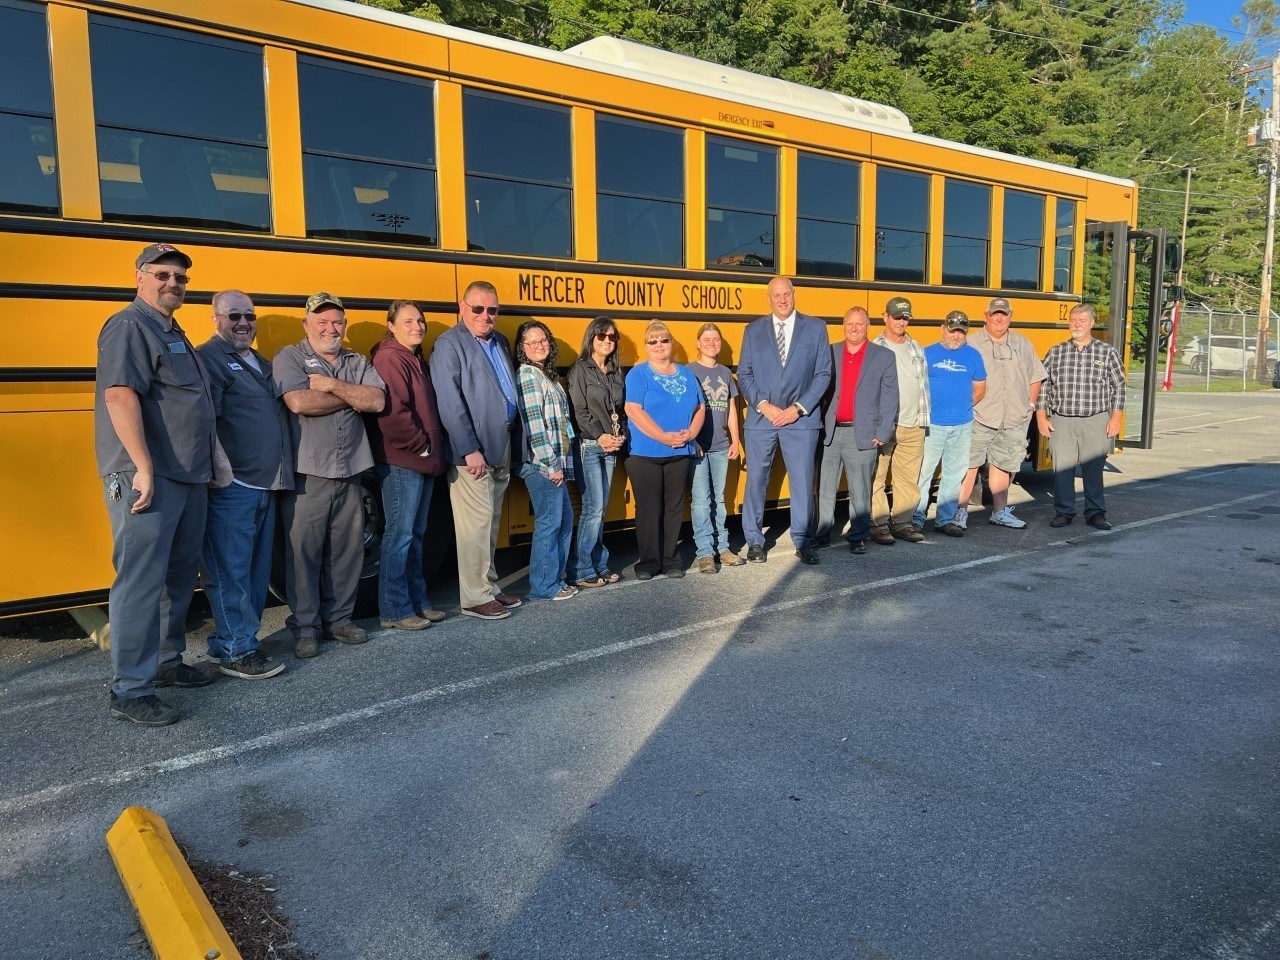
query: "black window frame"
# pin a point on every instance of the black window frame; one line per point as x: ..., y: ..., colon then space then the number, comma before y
x: 883, y: 229
x: 35, y: 112
x: 964, y: 233
x: 754, y: 262
x: 1021, y: 246
x: 854, y: 225
x: 1064, y: 244
x: 680, y: 203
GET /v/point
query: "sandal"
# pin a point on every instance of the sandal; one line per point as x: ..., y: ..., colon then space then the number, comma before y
x: 590, y: 584
x: 611, y: 577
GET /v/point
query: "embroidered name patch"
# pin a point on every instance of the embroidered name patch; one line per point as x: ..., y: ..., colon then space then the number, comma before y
x: 312, y: 362
x: 235, y: 366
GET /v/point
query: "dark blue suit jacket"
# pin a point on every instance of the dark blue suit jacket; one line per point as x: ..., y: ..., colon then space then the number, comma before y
x: 875, y: 401
x: 803, y: 380
x: 473, y: 410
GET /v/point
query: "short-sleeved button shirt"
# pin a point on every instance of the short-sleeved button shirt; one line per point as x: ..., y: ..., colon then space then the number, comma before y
x: 335, y: 445
x: 246, y: 402
x: 1012, y: 367
x: 138, y: 348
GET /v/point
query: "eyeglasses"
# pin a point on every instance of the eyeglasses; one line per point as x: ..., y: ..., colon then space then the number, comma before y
x: 607, y: 336
x: 660, y: 340
x: 536, y: 343
x: 164, y: 276
x: 1001, y: 351
x: 235, y: 316
x: 477, y: 309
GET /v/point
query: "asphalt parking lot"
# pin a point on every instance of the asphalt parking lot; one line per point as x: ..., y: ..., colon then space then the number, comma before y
x: 1039, y: 743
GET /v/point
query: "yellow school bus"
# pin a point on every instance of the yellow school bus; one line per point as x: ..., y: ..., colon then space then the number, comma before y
x: 296, y: 145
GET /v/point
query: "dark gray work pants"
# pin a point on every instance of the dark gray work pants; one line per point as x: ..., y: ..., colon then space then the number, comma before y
x: 1082, y: 442
x: 155, y: 554
x: 324, y: 529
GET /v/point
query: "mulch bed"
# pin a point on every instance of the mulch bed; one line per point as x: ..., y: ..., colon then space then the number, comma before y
x: 245, y: 902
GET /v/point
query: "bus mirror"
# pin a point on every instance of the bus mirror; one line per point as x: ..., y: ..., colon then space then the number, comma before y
x: 1172, y: 258
x: 1174, y: 292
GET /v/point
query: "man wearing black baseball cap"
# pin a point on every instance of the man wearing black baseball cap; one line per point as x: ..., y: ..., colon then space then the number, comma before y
x: 157, y: 452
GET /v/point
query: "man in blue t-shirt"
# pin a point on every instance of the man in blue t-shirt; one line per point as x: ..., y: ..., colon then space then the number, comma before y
x: 957, y: 381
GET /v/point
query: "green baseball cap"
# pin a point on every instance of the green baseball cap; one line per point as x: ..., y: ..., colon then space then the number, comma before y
x: 318, y: 301
x: 898, y: 307
x: 956, y: 320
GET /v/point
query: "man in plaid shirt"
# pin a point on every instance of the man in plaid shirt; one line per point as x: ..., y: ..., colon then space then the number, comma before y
x: 1079, y: 411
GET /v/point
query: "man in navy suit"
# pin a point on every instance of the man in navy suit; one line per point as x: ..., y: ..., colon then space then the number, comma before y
x: 476, y: 393
x: 783, y: 372
x: 859, y: 415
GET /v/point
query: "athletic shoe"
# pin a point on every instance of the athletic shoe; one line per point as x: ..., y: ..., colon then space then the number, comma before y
x: 566, y: 593
x: 507, y: 600
x: 755, y: 553
x: 491, y: 610
x: 1005, y: 518
x: 183, y: 675
x: 253, y: 666
x: 962, y: 518
x: 148, y: 711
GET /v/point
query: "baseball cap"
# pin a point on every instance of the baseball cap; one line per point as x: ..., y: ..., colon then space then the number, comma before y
x: 158, y: 251
x: 956, y: 320
x: 999, y: 305
x: 318, y: 301
x: 898, y: 307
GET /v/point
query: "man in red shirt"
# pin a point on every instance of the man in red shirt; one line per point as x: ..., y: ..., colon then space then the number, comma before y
x: 859, y: 415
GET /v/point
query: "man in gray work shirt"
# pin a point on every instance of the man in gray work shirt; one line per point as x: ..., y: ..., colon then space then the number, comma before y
x: 157, y: 452
x: 326, y: 387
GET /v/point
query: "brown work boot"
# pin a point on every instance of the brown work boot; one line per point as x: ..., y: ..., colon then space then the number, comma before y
x: 705, y: 564
x: 411, y: 622
x: 731, y: 559
x: 306, y: 647
x: 882, y: 536
x: 492, y: 610
x: 909, y: 532
x: 435, y: 616
x: 348, y: 633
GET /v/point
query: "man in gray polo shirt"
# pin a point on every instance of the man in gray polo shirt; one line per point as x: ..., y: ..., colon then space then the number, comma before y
x: 326, y: 387
x: 253, y: 428
x: 157, y: 452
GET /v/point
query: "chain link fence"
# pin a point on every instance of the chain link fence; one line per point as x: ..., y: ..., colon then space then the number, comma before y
x: 1216, y: 350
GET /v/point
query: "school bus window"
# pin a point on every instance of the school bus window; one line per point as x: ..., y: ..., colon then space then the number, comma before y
x: 1023, y: 239
x: 827, y: 226
x: 902, y: 226
x: 1063, y: 246
x: 519, y: 175
x: 966, y: 242
x: 639, y: 192
x: 28, y: 160
x: 182, y: 127
x: 742, y: 204
x: 368, y: 154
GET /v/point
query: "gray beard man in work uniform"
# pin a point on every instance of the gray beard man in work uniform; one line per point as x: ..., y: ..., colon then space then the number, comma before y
x: 157, y: 452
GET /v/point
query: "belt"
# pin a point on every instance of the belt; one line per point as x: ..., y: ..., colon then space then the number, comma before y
x: 844, y: 423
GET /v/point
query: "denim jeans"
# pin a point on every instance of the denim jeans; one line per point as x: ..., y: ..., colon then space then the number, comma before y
x: 552, y: 533
x: 950, y: 446
x: 402, y: 584
x: 594, y: 479
x: 706, y: 503
x: 239, y: 536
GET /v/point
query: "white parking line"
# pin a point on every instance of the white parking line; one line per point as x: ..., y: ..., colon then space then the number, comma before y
x: 1216, y: 423
x: 275, y: 738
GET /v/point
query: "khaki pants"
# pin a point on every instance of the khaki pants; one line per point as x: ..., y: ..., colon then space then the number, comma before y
x: 477, y: 511
x: 901, y: 456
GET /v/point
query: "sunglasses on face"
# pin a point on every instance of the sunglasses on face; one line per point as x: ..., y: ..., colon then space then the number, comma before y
x: 660, y: 340
x: 164, y: 276
x: 477, y: 309
x: 235, y: 316
x: 607, y: 336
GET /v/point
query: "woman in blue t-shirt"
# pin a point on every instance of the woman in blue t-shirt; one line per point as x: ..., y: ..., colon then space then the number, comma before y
x: 665, y: 409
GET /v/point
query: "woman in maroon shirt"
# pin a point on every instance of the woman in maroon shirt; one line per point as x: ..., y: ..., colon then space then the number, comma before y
x: 408, y: 446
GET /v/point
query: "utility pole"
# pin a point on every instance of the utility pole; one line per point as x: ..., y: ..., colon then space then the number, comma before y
x: 1177, y: 304
x: 1262, y: 368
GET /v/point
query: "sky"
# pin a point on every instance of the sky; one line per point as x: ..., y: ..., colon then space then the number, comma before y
x: 1216, y: 13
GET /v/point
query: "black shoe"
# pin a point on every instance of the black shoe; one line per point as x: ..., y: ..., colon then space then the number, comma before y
x: 858, y: 546
x: 821, y: 543
x: 185, y: 676
x: 952, y: 529
x: 807, y: 555
x: 643, y: 575
x: 348, y: 633
x: 675, y: 573
x: 755, y: 553
x: 149, y: 711
x: 253, y: 666
x: 1099, y: 521
x: 1060, y: 520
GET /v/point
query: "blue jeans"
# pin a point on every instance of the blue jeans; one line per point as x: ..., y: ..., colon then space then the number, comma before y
x: 950, y: 446
x: 706, y: 503
x: 591, y: 559
x: 552, y: 533
x: 239, y: 535
x: 402, y: 584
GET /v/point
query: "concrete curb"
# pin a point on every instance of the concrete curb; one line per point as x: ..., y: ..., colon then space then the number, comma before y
x: 176, y: 915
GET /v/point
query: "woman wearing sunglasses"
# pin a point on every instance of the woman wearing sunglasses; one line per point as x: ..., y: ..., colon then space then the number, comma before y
x: 596, y: 394
x: 544, y: 409
x: 665, y: 405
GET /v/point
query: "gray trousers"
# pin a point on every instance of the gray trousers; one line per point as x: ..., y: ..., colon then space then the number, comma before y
x: 859, y: 467
x: 324, y: 529
x: 1079, y: 442
x: 155, y: 554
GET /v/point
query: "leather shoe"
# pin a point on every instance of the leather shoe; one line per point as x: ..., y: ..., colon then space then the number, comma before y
x: 755, y: 553
x: 348, y: 633
x: 807, y: 555
x: 507, y: 600
x: 858, y: 546
x: 643, y: 575
x: 882, y: 536
x: 952, y: 530
x: 821, y: 543
x: 1060, y: 520
x: 492, y: 610
x: 1099, y: 521
x: 910, y: 533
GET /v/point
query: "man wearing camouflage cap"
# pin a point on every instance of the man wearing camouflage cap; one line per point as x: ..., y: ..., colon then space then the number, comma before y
x: 326, y: 387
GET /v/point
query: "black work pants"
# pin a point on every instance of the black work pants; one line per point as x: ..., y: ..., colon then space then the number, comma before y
x: 660, y: 485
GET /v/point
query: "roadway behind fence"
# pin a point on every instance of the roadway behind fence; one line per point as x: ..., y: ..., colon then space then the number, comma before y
x: 1216, y: 350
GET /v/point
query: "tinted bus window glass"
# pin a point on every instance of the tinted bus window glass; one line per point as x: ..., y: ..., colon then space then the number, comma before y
x: 1064, y: 247
x: 197, y: 160
x: 742, y: 204
x: 518, y: 175
x: 902, y: 226
x: 966, y: 242
x: 827, y: 227
x: 1023, y: 240
x: 28, y: 178
x: 368, y: 154
x: 640, y: 192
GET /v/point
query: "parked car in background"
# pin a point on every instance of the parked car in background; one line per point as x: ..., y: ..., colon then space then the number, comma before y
x: 1225, y: 354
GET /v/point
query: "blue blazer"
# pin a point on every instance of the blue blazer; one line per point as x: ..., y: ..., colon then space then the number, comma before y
x: 473, y: 410
x: 761, y: 375
x: 875, y: 402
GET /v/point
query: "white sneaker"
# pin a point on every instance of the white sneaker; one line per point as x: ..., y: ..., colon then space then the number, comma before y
x: 962, y: 518
x: 1005, y: 518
